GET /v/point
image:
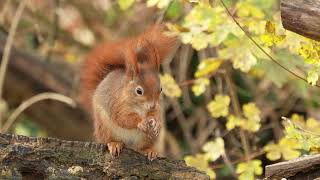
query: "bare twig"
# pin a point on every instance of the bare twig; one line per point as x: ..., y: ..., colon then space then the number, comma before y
x: 185, y: 56
x: 226, y: 159
x: 40, y: 97
x: 236, y: 108
x: 9, y: 42
x: 55, y: 30
x: 182, y: 120
x: 7, y: 48
x: 4, y: 11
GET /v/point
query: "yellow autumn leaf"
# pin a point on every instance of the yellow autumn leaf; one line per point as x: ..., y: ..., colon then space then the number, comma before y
x: 308, y: 140
x: 310, y: 51
x: 71, y: 58
x: 214, y: 149
x: 233, y: 122
x: 208, y: 66
x: 240, y: 52
x: 273, y: 151
x: 247, y: 9
x: 200, y: 162
x: 200, y: 40
x: 169, y: 86
x: 244, y: 61
x: 270, y: 37
x: 251, y: 111
x: 270, y: 27
x: 201, y: 23
x: 159, y: 3
x: 286, y: 148
x: 310, y: 124
x: 125, y: 4
x: 313, y: 124
x: 200, y: 85
x: 248, y: 170
x: 251, y: 125
x: 313, y: 75
x: 252, y: 114
x: 219, y: 107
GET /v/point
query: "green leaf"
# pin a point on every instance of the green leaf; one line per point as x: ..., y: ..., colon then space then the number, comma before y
x: 174, y: 10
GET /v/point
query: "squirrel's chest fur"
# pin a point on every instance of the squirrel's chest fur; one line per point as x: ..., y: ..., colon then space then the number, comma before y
x: 104, y: 102
x: 132, y: 138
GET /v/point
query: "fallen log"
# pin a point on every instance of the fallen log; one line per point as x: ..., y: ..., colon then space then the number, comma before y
x: 307, y: 167
x: 24, y: 157
x: 302, y: 17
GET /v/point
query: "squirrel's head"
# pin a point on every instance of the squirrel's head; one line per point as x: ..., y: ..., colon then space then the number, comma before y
x: 143, y: 59
x: 144, y: 90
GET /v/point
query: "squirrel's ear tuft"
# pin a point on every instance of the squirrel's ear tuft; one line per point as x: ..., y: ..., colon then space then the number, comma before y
x: 132, y: 68
x: 164, y: 44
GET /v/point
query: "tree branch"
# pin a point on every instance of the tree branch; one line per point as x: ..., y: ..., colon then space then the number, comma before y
x: 29, y: 157
x: 302, y: 17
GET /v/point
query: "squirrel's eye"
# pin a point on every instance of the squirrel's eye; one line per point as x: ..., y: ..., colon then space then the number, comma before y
x: 139, y: 91
x: 161, y: 90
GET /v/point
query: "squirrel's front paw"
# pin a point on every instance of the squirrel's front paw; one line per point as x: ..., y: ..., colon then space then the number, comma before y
x: 115, y: 148
x: 151, y: 153
x: 150, y: 126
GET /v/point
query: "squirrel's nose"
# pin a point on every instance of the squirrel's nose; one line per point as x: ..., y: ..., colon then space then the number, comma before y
x: 151, y: 105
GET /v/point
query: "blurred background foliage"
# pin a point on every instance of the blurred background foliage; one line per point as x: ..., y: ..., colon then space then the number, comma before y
x: 224, y: 99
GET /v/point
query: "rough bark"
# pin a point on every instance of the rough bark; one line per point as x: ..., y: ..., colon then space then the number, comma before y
x: 29, y: 75
x: 302, y: 168
x: 302, y: 17
x: 49, y: 158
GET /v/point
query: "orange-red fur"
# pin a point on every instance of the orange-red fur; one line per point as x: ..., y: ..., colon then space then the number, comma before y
x: 112, y: 55
x: 110, y: 73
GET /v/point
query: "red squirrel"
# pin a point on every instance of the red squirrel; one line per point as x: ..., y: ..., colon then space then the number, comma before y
x: 121, y: 88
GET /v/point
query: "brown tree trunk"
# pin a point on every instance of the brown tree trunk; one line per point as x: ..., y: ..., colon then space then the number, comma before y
x: 302, y: 17
x: 48, y: 158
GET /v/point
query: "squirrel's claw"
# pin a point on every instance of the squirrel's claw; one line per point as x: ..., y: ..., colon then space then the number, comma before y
x: 115, y: 148
x: 151, y: 154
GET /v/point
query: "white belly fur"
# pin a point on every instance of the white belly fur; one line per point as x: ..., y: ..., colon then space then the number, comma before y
x: 132, y: 138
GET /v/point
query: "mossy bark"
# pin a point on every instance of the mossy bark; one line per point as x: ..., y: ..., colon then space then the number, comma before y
x: 24, y: 157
